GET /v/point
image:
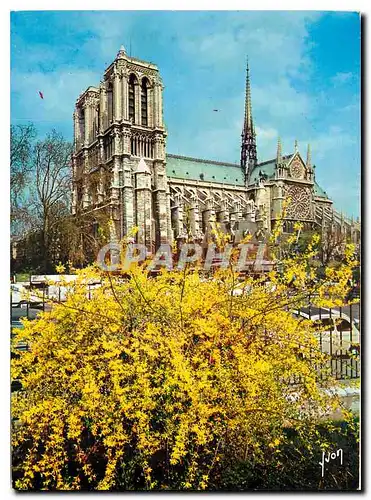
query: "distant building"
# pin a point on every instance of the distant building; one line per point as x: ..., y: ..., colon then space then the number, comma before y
x: 121, y: 168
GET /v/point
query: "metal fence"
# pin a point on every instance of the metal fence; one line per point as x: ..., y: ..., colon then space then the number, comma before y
x: 338, y: 333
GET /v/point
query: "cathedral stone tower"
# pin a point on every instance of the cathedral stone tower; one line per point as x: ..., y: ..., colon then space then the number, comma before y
x: 122, y: 173
x: 119, y: 155
x: 248, y: 147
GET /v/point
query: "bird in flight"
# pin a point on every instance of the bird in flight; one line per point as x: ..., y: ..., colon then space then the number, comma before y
x: 215, y: 109
x: 41, y: 95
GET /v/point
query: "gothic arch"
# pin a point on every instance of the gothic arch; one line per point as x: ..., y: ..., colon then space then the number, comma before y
x: 144, y: 100
x: 110, y: 98
x: 148, y: 81
x: 132, y: 90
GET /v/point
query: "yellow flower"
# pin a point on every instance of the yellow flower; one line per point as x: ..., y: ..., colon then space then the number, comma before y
x: 60, y: 268
x: 166, y: 367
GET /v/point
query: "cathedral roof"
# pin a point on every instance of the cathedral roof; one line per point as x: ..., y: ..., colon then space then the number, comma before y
x: 318, y: 191
x: 267, y: 168
x: 195, y: 169
x: 183, y: 167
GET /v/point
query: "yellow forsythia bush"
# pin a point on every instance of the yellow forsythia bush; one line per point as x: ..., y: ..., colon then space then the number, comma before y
x: 155, y: 383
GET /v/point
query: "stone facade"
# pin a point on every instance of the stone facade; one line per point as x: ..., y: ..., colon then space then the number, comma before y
x: 120, y: 166
x: 119, y: 151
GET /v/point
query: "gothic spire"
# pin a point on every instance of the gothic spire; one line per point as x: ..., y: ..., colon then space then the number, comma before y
x: 248, y: 146
x: 248, y: 123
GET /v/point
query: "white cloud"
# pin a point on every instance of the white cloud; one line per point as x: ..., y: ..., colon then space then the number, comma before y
x: 332, y: 140
x: 353, y: 107
x: 266, y: 142
x: 203, y: 57
x: 275, y: 41
x: 60, y: 91
x: 109, y: 33
x: 341, y: 78
x: 281, y: 100
x: 266, y: 134
x: 277, y: 48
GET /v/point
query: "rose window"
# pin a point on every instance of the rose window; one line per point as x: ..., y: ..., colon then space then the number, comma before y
x: 300, y: 206
x: 297, y: 170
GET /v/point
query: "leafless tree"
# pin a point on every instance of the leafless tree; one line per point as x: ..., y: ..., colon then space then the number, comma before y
x: 83, y: 234
x: 333, y: 242
x: 50, y: 191
x: 41, y: 216
x: 21, y: 141
x: 21, y: 144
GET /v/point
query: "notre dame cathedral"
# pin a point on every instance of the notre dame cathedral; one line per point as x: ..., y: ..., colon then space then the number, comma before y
x: 121, y: 168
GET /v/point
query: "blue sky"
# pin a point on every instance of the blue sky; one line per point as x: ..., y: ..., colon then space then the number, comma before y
x: 304, y: 66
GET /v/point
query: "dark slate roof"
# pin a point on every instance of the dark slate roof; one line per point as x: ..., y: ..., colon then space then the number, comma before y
x: 183, y: 167
x: 267, y: 168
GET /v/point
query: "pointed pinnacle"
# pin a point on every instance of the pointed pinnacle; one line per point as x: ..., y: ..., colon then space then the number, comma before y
x: 309, y: 157
x: 279, y: 151
x: 248, y: 124
x: 296, y: 145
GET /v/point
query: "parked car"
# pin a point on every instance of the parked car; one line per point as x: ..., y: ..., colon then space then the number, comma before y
x: 21, y: 295
x: 22, y: 312
x: 337, y: 334
x: 241, y: 289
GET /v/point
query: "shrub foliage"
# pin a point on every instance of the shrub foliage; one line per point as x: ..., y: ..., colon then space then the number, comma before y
x: 167, y: 382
